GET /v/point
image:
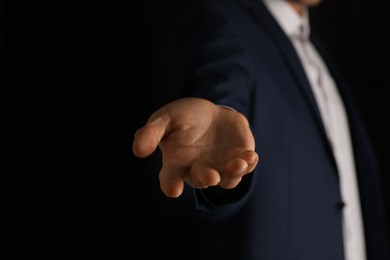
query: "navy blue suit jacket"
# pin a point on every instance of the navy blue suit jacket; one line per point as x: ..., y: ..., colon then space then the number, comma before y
x: 233, y: 52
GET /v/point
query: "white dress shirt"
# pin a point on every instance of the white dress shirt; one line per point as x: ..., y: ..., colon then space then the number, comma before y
x: 334, y: 119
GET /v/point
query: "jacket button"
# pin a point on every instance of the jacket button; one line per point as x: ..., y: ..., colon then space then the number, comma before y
x: 340, y: 205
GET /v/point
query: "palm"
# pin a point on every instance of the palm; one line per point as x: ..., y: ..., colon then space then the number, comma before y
x: 201, y: 144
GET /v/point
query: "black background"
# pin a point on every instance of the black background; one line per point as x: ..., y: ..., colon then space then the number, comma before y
x: 76, y: 80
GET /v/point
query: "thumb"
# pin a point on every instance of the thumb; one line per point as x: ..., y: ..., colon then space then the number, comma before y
x: 148, y: 137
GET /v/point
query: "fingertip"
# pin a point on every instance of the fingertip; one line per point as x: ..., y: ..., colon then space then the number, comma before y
x: 250, y: 156
x: 204, y: 175
x: 236, y: 167
x: 139, y: 149
x: 252, y: 162
x: 211, y: 179
x: 172, y: 189
x: 230, y: 183
x: 252, y: 159
x: 143, y: 143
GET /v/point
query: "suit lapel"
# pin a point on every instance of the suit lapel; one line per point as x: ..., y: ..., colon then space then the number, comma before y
x: 260, y: 13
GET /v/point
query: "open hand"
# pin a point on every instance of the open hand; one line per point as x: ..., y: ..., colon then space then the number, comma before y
x: 202, y: 144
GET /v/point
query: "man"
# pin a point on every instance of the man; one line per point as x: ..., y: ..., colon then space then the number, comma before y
x: 275, y: 95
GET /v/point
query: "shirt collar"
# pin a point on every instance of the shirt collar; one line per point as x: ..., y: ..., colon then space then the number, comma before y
x: 290, y: 22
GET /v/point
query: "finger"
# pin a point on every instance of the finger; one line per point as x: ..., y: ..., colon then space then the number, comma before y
x: 251, y: 158
x: 229, y: 183
x: 233, y: 172
x: 235, y: 168
x: 203, y: 176
x: 171, y: 180
x: 147, y: 138
x: 238, y: 167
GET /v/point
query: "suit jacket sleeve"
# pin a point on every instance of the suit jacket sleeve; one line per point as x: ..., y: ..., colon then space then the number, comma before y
x: 206, y: 59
